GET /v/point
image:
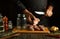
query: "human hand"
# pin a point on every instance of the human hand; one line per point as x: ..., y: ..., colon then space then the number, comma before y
x: 29, y: 20
x: 33, y: 27
x: 35, y: 21
x: 49, y: 13
x: 30, y: 17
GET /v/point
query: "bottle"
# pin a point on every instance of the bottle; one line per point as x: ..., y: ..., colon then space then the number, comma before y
x: 19, y: 21
x: 24, y: 23
x: 10, y: 25
x: 5, y: 23
x: 1, y: 23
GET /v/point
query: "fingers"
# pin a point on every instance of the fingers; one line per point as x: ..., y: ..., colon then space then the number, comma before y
x: 35, y: 21
x: 41, y: 27
x: 36, y: 27
x: 29, y: 20
x: 49, y: 13
x: 30, y: 27
x: 33, y: 27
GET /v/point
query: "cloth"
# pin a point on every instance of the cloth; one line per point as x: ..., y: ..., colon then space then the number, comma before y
x: 39, y: 5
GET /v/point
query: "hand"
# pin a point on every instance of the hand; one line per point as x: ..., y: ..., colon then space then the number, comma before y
x: 49, y: 13
x: 35, y: 21
x: 33, y: 27
x: 32, y: 20
x: 30, y: 17
x: 29, y: 20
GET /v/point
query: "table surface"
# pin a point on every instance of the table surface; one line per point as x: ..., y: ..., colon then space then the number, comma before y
x: 9, y: 36
x: 18, y: 32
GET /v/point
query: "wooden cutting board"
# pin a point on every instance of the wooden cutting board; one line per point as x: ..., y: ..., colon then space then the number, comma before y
x: 27, y: 31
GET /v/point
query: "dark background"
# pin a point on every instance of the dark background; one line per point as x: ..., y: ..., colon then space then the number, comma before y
x: 9, y: 9
x: 56, y: 13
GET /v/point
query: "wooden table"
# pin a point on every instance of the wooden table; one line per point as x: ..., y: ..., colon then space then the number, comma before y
x: 27, y: 33
x: 6, y: 37
x: 54, y: 35
x: 17, y: 32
